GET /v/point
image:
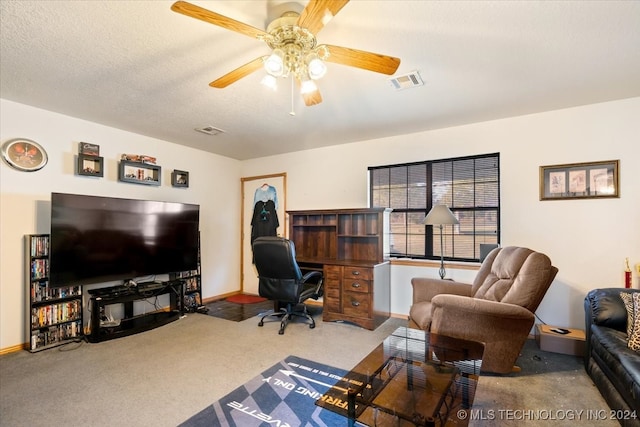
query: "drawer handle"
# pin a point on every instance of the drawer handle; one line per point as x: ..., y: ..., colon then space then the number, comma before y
x: 355, y: 303
x: 355, y: 285
x: 355, y: 273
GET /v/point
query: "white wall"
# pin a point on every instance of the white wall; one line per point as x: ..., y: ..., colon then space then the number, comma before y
x: 587, y: 240
x: 214, y: 184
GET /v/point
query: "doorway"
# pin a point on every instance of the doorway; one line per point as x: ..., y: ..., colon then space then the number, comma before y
x: 262, y: 187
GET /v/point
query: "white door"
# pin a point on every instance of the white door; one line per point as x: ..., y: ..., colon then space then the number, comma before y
x: 272, y: 187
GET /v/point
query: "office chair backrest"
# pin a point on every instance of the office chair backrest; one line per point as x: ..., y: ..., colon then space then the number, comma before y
x: 278, y: 272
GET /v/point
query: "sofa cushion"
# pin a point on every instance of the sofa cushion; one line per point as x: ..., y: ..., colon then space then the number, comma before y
x: 634, y: 336
x: 620, y: 364
x: 627, y: 299
x: 607, y: 309
x: 632, y: 305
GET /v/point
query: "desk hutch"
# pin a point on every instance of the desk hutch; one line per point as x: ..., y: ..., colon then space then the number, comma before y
x: 351, y: 247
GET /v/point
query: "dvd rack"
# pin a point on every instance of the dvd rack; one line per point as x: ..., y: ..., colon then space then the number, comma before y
x: 192, y: 287
x: 55, y: 314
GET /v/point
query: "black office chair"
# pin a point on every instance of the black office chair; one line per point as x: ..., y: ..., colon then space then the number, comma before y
x: 281, y: 280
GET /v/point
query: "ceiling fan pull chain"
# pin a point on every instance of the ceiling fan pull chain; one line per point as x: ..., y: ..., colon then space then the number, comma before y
x: 292, y: 112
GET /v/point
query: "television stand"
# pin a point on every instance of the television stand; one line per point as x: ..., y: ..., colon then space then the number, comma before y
x: 132, y: 324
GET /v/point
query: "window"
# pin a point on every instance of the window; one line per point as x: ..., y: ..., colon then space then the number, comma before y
x: 469, y: 186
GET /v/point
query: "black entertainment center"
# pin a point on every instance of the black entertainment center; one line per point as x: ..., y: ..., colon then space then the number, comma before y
x: 103, y: 329
x: 98, y: 240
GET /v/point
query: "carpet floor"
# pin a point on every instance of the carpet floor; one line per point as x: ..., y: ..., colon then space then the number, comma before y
x: 165, y: 376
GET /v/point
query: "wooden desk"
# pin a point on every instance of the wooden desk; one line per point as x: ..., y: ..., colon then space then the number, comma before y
x: 351, y: 248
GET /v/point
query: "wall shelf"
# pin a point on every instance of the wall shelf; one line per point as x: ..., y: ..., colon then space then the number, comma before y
x: 139, y: 173
x: 90, y: 165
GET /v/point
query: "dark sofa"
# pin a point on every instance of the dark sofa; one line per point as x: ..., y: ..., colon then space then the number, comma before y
x: 611, y: 364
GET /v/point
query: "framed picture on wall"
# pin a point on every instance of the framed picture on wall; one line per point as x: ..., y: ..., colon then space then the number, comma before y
x: 179, y: 178
x: 579, y: 180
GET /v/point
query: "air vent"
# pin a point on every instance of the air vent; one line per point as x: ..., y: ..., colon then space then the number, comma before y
x: 406, y: 81
x: 210, y: 130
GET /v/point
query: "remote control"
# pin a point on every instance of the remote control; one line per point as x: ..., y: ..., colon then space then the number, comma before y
x: 560, y: 331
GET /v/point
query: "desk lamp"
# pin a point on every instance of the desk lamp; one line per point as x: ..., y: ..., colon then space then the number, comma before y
x: 440, y: 215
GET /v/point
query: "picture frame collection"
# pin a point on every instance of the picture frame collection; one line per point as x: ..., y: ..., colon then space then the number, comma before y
x: 590, y: 180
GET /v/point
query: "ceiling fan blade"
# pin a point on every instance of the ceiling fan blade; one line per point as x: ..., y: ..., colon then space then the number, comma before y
x: 318, y: 13
x: 238, y: 73
x: 359, y: 58
x: 312, y: 98
x: 205, y: 15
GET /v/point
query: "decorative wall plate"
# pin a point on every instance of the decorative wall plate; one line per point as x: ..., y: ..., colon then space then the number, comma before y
x: 24, y: 154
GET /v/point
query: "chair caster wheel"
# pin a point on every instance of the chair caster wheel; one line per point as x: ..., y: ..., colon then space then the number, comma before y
x: 281, y: 332
x: 312, y: 326
x: 261, y: 324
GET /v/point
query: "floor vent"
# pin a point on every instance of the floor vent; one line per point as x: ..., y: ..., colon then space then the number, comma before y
x: 406, y: 81
x: 210, y: 130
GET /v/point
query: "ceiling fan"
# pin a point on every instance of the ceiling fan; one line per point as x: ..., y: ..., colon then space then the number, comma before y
x: 295, y: 52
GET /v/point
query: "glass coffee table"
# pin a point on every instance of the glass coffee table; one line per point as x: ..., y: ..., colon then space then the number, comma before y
x: 412, y: 379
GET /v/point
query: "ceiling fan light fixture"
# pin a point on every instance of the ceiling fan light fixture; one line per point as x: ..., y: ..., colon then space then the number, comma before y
x: 316, y: 67
x: 274, y: 64
x: 308, y: 86
x: 270, y: 82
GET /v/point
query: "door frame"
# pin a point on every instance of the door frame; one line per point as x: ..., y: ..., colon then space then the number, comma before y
x: 248, y: 186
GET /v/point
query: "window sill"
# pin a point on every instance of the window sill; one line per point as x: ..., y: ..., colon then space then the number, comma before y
x: 435, y: 264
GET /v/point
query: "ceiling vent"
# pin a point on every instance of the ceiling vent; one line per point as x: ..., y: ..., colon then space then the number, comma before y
x: 210, y: 130
x: 406, y: 81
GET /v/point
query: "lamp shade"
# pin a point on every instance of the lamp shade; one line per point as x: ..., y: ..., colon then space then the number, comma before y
x: 440, y: 214
x: 274, y: 64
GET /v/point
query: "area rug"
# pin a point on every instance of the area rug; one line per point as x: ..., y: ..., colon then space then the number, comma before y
x: 245, y: 299
x: 283, y: 395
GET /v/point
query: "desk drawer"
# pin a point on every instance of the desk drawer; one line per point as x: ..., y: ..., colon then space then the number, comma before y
x: 356, y: 304
x: 332, y: 272
x: 357, y: 273
x: 356, y: 285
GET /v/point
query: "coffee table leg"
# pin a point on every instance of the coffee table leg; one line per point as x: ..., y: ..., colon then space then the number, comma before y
x: 351, y: 406
x: 465, y: 391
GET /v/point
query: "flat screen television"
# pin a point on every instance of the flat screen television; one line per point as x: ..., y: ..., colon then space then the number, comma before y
x: 100, y: 239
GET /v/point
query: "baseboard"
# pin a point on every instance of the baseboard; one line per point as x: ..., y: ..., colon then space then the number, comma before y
x: 14, y: 348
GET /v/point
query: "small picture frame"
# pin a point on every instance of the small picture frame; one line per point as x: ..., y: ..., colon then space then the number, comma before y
x: 90, y: 165
x: 589, y: 180
x: 89, y: 149
x: 179, y: 178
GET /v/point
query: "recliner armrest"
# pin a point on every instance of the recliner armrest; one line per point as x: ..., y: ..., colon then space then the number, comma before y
x: 465, y: 307
x: 424, y: 289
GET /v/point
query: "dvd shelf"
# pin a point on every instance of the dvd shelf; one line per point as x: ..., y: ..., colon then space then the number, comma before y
x: 55, y: 314
x: 192, y: 287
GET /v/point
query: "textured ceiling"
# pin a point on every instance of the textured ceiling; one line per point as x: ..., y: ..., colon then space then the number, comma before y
x: 138, y: 66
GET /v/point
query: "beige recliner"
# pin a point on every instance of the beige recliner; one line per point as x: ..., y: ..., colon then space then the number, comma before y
x: 497, y: 309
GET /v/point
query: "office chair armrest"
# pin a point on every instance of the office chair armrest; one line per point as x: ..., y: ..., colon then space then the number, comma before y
x: 311, y: 277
